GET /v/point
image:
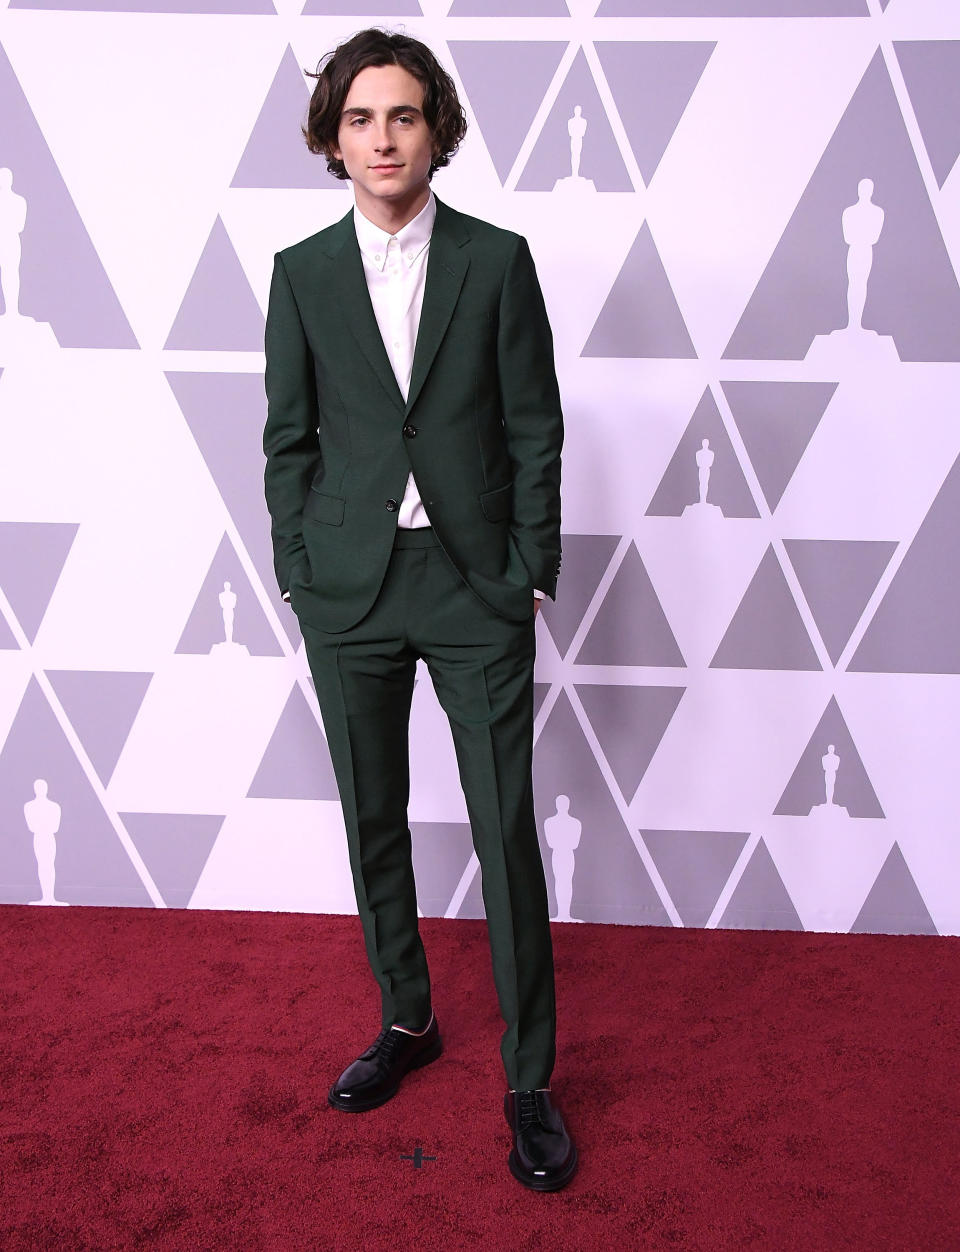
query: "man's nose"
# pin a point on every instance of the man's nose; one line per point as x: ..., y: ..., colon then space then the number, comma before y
x: 383, y: 140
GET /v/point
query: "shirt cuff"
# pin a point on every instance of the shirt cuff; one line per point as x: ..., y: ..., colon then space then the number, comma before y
x: 285, y: 596
x: 538, y: 595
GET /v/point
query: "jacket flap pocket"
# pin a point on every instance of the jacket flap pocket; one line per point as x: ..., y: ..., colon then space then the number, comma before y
x: 497, y: 505
x: 323, y: 508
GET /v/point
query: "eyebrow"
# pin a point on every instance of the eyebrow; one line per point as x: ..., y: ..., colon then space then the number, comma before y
x: 395, y: 111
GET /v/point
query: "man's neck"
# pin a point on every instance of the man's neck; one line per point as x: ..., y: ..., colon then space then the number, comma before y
x: 392, y: 215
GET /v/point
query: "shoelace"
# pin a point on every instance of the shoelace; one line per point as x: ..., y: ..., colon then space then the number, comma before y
x: 385, y: 1044
x: 529, y: 1109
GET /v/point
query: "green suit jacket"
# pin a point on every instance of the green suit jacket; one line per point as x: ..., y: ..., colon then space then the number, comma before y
x: 481, y: 428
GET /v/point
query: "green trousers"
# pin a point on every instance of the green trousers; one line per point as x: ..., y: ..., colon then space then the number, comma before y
x: 481, y: 666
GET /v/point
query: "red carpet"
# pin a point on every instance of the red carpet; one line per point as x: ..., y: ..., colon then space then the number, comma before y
x: 163, y: 1081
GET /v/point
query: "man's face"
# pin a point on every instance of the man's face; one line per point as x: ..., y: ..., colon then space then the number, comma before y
x: 384, y: 140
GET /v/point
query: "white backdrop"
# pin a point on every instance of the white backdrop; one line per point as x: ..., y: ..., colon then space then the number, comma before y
x: 748, y: 689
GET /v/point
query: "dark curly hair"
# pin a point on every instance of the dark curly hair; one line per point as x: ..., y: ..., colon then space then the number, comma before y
x: 442, y: 110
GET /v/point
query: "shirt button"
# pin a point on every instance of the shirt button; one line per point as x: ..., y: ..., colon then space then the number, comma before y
x: 409, y: 431
x: 378, y: 258
x: 392, y: 506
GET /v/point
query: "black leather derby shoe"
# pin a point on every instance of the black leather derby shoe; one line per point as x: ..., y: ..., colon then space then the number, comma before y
x: 544, y: 1157
x: 375, y: 1076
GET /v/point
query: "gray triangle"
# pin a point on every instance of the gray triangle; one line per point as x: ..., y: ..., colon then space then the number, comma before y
x: 219, y: 311
x: 539, y: 694
x: 601, y: 166
x: 641, y: 317
x: 175, y: 848
x: 760, y: 901
x: 63, y: 283
x: 7, y: 639
x: 361, y: 8
x: 776, y: 422
x: 610, y: 882
x: 102, y: 707
x: 913, y: 294
x: 32, y: 557
x: 207, y: 626
x: 585, y: 561
x: 225, y: 416
x: 916, y: 629
x: 727, y: 488
x: 894, y: 905
x: 629, y: 723
x: 767, y: 631
x: 296, y: 764
x: 472, y: 904
x: 150, y: 6
x: 630, y: 627
x: 508, y: 8
x: 651, y: 84
x: 931, y: 70
x: 441, y: 852
x: 838, y: 577
x: 505, y: 83
x: 276, y: 154
x: 695, y: 866
x: 733, y: 8
x: 91, y: 865
x: 807, y: 786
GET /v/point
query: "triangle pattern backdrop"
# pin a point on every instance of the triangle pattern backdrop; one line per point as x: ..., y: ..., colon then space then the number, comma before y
x: 32, y: 557
x: 913, y: 294
x: 276, y: 154
x: 505, y: 84
x: 745, y: 705
x: 931, y: 69
x: 39, y: 768
x: 652, y: 84
x: 601, y: 166
x: 63, y: 283
x: 219, y: 311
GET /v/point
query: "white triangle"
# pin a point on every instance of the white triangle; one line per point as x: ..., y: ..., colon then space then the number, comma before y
x: 701, y: 575
x: 210, y: 725
x: 733, y: 173
x: 828, y: 874
x: 292, y: 871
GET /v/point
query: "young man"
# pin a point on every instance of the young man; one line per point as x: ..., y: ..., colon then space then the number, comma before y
x: 413, y: 478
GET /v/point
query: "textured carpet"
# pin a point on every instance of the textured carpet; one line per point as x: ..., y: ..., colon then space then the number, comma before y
x: 163, y: 1081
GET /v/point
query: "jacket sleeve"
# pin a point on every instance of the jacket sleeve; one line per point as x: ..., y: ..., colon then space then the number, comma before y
x: 290, y: 439
x: 532, y: 417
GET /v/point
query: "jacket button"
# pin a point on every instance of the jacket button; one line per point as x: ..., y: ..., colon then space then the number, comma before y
x: 409, y: 431
x: 392, y: 506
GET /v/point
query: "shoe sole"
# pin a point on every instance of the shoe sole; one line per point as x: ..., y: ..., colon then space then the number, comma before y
x: 534, y: 1183
x: 423, y: 1058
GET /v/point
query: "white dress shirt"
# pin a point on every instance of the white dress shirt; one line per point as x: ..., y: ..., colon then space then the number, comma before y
x: 396, y: 271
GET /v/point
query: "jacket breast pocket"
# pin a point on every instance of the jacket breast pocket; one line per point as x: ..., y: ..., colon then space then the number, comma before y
x: 320, y: 507
x: 497, y: 505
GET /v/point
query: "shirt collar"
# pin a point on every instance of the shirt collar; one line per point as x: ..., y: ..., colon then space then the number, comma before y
x: 413, y: 237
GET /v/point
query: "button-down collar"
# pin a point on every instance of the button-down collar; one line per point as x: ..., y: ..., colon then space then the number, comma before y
x: 411, y: 239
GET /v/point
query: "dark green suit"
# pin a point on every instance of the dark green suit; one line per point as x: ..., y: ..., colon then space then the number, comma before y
x: 481, y: 430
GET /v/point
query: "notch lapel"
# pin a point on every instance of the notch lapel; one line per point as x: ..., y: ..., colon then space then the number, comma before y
x: 353, y: 301
x: 447, y: 266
